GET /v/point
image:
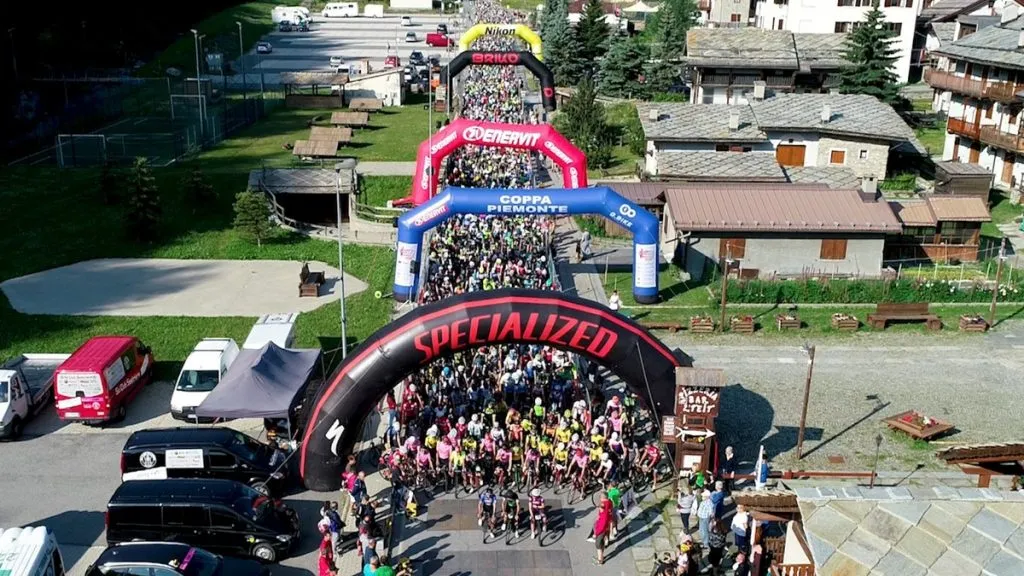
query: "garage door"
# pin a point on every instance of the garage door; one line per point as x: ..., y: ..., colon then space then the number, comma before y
x: 790, y: 154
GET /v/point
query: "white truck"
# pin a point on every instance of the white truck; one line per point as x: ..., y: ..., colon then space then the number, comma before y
x: 26, y: 386
x: 293, y: 14
x: 373, y: 11
x: 202, y: 371
x: 276, y: 328
x: 31, y: 551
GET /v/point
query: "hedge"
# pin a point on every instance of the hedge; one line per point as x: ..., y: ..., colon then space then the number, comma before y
x: 862, y: 292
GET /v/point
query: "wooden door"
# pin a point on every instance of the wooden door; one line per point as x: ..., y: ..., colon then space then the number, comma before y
x: 1008, y: 161
x: 975, y: 153
x: 956, y: 149
x: 790, y: 154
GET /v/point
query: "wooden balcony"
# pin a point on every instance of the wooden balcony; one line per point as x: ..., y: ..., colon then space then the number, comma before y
x: 1001, y: 91
x: 792, y: 570
x: 946, y: 81
x: 964, y: 128
x: 995, y: 137
x: 778, y: 81
x: 715, y: 80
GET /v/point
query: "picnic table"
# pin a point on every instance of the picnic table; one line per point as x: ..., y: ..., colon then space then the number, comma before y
x: 350, y: 119
x: 309, y: 282
x: 325, y: 134
x: 365, y: 105
x: 315, y: 149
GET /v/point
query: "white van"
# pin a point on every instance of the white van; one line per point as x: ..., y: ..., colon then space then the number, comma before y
x: 31, y: 551
x: 373, y: 11
x: 276, y: 328
x: 203, y: 370
x: 341, y: 10
x: 290, y: 13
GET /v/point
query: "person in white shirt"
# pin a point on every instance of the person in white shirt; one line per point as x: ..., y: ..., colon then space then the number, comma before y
x: 614, y: 302
x: 741, y: 527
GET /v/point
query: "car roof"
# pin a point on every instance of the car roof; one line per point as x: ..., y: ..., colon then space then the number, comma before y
x: 177, y: 490
x: 96, y: 353
x: 148, y: 552
x: 178, y: 436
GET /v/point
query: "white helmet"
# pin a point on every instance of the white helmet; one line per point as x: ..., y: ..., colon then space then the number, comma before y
x: 453, y: 434
x: 604, y: 456
x: 561, y: 445
x: 600, y: 420
x: 475, y: 418
x: 615, y: 435
x: 403, y: 450
x: 462, y: 419
x: 535, y: 492
x: 575, y: 437
x: 432, y: 431
x: 537, y: 401
x: 595, y: 431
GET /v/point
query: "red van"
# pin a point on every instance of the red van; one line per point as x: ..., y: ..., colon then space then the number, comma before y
x: 98, y: 381
x: 439, y: 40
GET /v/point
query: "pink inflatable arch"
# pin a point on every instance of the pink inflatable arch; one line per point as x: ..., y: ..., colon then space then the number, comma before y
x: 461, y: 132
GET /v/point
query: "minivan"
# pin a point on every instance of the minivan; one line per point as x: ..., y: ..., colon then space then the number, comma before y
x: 222, y: 516
x: 98, y: 381
x: 189, y: 452
x: 202, y: 371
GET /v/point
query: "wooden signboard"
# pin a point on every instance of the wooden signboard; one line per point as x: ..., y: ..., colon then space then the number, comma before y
x: 698, y: 398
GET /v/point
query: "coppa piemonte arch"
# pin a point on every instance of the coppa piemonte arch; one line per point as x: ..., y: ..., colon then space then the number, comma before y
x: 465, y: 322
x: 477, y: 58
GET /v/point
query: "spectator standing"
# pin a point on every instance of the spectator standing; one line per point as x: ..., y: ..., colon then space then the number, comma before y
x: 741, y: 527
x: 718, y: 498
x: 705, y: 513
x: 741, y: 567
x: 728, y: 469
x: 370, y: 552
x: 358, y: 490
x: 372, y: 567
x: 602, y: 528
x: 330, y: 511
x: 585, y: 244
x: 684, y: 505
x: 614, y: 302
x: 716, y: 545
x: 326, y: 560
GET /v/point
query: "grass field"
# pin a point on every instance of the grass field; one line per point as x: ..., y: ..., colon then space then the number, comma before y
x: 933, y: 139
x: 378, y: 190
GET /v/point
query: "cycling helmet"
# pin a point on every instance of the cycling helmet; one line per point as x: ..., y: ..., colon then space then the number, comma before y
x: 412, y: 387
x: 600, y: 420
x: 462, y: 367
x: 453, y: 434
x: 446, y: 371
x: 535, y: 492
x: 396, y: 425
x: 561, y: 446
x: 462, y: 419
x: 595, y: 430
x: 403, y: 451
x: 604, y: 456
x: 475, y: 418
x: 615, y: 436
x: 537, y: 401
x: 432, y: 431
x: 478, y: 470
x: 575, y: 437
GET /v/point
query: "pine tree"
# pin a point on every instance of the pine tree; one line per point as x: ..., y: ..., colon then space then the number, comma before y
x: 142, y: 205
x: 252, y: 216
x: 622, y: 68
x: 561, y: 48
x: 674, y: 20
x: 871, y: 56
x: 110, y: 183
x: 592, y: 32
x: 583, y: 121
x: 198, y: 192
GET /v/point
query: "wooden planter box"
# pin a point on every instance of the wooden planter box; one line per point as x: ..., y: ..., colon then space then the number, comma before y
x: 845, y: 322
x: 702, y: 325
x: 973, y: 324
x: 787, y: 322
x: 742, y: 324
x: 915, y: 429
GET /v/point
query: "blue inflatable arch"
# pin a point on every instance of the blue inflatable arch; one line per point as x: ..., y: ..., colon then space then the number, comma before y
x: 601, y: 200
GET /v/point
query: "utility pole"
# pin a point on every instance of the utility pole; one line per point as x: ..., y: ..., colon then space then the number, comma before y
x: 199, y: 93
x: 725, y: 285
x: 341, y: 260
x: 995, y: 289
x: 241, y: 61
x: 809, y: 350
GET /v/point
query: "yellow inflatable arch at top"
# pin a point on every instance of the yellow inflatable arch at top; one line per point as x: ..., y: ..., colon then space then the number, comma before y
x: 522, y: 32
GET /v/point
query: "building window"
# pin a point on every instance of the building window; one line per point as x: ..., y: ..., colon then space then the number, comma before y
x: 899, y: 3
x: 863, y: 3
x: 957, y: 233
x: 863, y: 155
x: 833, y: 249
x: 896, y: 27
x: 781, y: 21
x: 844, y: 27
x: 748, y: 149
x: 837, y: 157
x: 920, y: 234
x: 735, y: 17
x: 721, y: 147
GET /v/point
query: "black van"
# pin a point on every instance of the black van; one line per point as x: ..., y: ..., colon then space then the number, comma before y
x: 226, y: 454
x: 221, y: 516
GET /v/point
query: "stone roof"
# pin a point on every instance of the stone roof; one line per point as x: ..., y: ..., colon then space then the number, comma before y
x: 991, y: 45
x: 914, y: 531
x: 944, y: 31
x: 748, y: 166
x: 686, y: 122
x: 942, y: 9
x: 851, y: 114
x: 758, y: 48
x: 831, y: 176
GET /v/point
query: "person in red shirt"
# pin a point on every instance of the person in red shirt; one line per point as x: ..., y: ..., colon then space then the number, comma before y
x: 602, y: 527
x: 327, y: 556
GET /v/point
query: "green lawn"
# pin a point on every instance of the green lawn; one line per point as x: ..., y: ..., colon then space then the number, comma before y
x: 1003, y: 211
x: 921, y: 105
x: 674, y: 292
x: 933, y: 139
x: 623, y: 159
x: 221, y: 34
x: 377, y: 190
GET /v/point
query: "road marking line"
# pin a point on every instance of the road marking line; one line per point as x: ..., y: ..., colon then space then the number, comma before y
x: 787, y: 360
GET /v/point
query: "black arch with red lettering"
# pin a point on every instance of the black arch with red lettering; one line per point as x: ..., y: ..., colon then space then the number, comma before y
x: 470, y: 321
x: 527, y: 59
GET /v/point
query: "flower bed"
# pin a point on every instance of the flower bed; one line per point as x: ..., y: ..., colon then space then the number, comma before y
x: 845, y: 322
x: 918, y: 425
x: 743, y: 324
x: 973, y: 323
x: 826, y: 291
x: 702, y: 324
x: 787, y: 321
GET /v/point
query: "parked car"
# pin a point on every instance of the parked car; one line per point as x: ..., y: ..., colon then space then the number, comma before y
x: 416, y: 57
x: 98, y: 381
x: 392, y: 62
x: 169, y: 559
x: 406, y: 21
x: 411, y: 37
x: 32, y: 551
x: 439, y: 40
x: 203, y: 369
x: 442, y: 29
x: 221, y: 516
x: 264, y: 47
x: 285, y: 26
x: 220, y: 453
x: 337, y: 61
x: 340, y: 10
x: 26, y: 386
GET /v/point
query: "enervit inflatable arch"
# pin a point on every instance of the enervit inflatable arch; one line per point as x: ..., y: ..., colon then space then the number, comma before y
x: 461, y: 132
x: 531, y: 62
x: 522, y: 32
x: 469, y: 321
x: 601, y: 200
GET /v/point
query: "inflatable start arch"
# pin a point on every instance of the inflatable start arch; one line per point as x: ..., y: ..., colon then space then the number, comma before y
x: 469, y: 321
x: 518, y: 30
x: 529, y: 61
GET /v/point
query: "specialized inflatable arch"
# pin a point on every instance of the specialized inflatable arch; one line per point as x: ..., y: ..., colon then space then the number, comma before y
x: 601, y: 200
x: 460, y: 132
x: 526, y: 59
x: 465, y: 322
x: 518, y: 30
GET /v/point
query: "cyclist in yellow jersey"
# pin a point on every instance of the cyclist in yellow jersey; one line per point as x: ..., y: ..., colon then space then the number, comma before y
x: 563, y: 434
x: 545, y: 447
x: 517, y: 453
x: 469, y: 444
x: 532, y: 441
x: 527, y: 426
x: 561, y: 455
x: 596, y: 437
x: 595, y: 453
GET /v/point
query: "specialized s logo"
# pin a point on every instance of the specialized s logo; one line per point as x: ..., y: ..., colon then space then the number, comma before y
x: 334, y: 434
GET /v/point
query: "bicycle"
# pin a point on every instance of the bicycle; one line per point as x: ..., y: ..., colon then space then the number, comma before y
x: 579, y: 487
x: 664, y: 565
x: 490, y: 526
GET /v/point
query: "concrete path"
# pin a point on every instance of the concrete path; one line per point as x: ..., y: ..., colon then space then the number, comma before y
x: 159, y: 287
x: 386, y: 168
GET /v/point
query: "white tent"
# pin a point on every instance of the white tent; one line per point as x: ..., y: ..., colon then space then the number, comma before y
x: 640, y: 8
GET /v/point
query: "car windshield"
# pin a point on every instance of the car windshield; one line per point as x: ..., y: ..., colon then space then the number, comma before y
x: 199, y: 563
x: 247, y: 448
x: 4, y: 393
x: 198, y: 380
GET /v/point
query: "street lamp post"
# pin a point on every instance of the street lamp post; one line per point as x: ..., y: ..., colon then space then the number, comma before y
x: 241, y: 60
x: 874, y: 468
x: 199, y: 91
x: 341, y: 260
x: 995, y: 289
x: 809, y: 350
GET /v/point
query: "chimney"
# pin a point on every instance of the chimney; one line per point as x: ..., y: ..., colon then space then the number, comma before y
x: 868, y: 189
x: 1009, y: 13
x: 826, y: 114
x: 653, y: 115
x: 1020, y: 39
x: 759, y: 86
x: 734, y: 120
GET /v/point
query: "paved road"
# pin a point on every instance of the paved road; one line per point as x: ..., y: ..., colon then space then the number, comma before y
x: 386, y: 168
x: 162, y: 287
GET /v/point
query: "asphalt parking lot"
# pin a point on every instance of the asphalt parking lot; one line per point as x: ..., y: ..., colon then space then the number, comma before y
x: 353, y: 39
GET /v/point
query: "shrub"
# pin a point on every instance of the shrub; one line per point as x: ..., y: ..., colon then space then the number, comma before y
x: 861, y: 291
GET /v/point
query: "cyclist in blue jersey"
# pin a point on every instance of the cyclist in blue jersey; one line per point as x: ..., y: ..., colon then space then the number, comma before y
x: 485, y: 509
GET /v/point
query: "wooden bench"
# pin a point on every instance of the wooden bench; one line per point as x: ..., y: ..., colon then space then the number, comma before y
x: 670, y: 326
x: 309, y: 282
x: 909, y: 312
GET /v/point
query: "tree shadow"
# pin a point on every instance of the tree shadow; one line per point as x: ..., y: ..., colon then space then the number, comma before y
x: 878, y: 407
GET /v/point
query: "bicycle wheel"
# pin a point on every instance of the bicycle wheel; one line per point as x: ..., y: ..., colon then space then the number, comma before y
x: 595, y: 497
